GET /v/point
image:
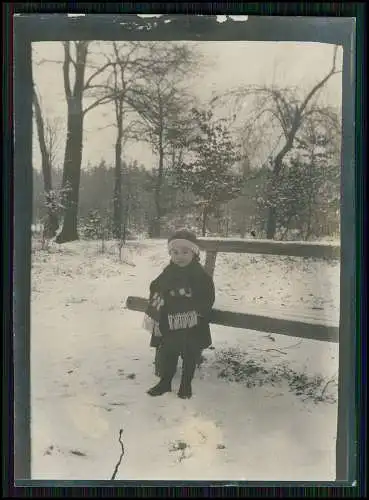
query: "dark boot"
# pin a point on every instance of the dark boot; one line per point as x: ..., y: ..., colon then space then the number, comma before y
x: 161, y: 388
x: 191, y: 355
x: 185, y: 390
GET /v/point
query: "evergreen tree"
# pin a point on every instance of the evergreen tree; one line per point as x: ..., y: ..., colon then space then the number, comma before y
x: 210, y: 173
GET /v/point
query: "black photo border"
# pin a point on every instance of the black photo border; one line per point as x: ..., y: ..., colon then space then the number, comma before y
x: 327, y: 23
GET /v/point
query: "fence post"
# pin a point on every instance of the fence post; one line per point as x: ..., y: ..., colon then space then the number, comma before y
x: 211, y: 257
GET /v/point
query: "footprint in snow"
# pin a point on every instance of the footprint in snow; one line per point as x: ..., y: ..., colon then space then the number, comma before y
x: 130, y: 376
x: 50, y: 450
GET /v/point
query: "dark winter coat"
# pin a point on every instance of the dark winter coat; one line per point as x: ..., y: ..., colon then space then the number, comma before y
x: 195, y: 278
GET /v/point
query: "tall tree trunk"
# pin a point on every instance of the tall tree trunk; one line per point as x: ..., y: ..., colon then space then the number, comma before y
x: 117, y: 205
x: 311, y: 199
x: 52, y: 221
x: 156, y: 222
x: 119, y: 112
x: 205, y: 214
x: 309, y: 218
x: 74, y: 142
x: 72, y: 171
x: 227, y: 227
x: 271, y: 223
x: 127, y: 202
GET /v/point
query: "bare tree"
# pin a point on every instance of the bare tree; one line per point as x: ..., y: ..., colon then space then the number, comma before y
x: 161, y: 67
x: 126, y: 68
x: 321, y: 145
x: 306, y: 187
x: 48, y: 141
x: 162, y: 102
x: 76, y: 112
x: 283, y: 110
x: 142, y: 84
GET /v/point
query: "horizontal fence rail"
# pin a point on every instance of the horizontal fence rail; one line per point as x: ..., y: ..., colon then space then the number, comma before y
x: 271, y: 247
x: 291, y: 326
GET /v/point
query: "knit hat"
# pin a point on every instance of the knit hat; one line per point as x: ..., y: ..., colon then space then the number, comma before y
x: 184, y: 238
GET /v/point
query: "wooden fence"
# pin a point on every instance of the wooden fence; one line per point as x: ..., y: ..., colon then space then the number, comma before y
x: 310, y: 326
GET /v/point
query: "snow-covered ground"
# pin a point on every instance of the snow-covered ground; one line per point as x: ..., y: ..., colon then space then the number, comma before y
x: 91, y: 366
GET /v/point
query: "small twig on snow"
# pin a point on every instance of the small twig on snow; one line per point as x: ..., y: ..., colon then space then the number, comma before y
x: 267, y: 350
x: 325, y: 387
x: 121, y: 455
x: 294, y: 345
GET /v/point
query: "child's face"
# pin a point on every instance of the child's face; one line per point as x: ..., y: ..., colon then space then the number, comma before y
x: 181, y: 256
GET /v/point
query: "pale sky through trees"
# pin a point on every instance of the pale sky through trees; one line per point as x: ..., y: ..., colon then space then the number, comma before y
x: 231, y: 64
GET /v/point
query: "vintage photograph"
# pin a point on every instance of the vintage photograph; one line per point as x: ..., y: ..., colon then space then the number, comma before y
x: 185, y: 281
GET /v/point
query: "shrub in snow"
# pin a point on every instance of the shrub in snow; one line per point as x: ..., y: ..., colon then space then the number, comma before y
x: 233, y: 365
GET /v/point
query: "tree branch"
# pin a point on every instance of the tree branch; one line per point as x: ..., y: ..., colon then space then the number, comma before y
x: 101, y: 86
x: 95, y: 74
x: 279, y: 102
x: 47, y: 61
x: 102, y: 100
x: 321, y: 84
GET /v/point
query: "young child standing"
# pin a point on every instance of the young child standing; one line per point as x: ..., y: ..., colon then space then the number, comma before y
x: 181, y: 300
